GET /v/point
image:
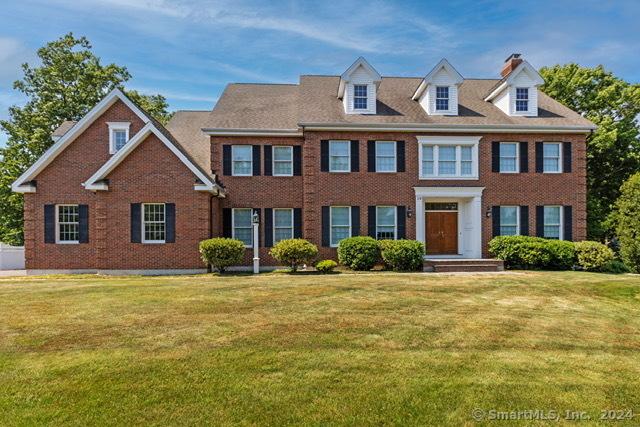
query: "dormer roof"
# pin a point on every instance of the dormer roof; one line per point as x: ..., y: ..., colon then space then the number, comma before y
x: 509, y: 80
x: 454, y: 75
x: 346, y: 76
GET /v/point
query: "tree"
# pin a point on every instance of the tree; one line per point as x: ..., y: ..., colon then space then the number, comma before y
x: 613, y: 152
x: 67, y: 84
x: 627, y: 219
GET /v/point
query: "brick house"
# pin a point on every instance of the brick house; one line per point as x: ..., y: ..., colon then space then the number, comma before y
x: 442, y: 159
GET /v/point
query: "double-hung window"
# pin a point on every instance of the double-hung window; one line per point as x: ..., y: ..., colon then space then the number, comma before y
x: 153, y: 224
x: 242, y: 160
x: 385, y: 156
x: 448, y: 160
x: 68, y: 224
x: 509, y: 221
x: 282, y: 224
x: 551, y: 155
x: 242, y: 225
x: 339, y: 156
x: 386, y: 222
x: 509, y: 157
x: 282, y: 161
x: 359, y: 97
x: 118, y: 135
x: 442, y: 98
x: 553, y: 222
x: 340, y: 220
x: 522, y: 99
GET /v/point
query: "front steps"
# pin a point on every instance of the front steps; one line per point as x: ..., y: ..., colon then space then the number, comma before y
x: 449, y: 265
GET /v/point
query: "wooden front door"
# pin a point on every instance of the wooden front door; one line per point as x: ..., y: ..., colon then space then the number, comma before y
x: 441, y: 232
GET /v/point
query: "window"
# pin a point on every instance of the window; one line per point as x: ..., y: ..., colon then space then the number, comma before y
x: 522, y: 99
x: 153, y: 224
x: 282, y: 161
x: 385, y: 156
x: 551, y: 153
x: 339, y: 156
x: 68, y: 224
x: 509, y: 221
x: 442, y: 157
x: 242, y: 225
x: 340, y: 220
x: 385, y: 222
x: 466, y: 161
x: 282, y: 224
x: 359, y: 97
x: 118, y: 135
x: 553, y: 222
x: 447, y: 160
x: 509, y: 157
x: 242, y: 160
x: 442, y: 98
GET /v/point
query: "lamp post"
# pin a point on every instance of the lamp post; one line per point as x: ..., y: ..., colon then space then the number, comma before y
x: 255, y: 221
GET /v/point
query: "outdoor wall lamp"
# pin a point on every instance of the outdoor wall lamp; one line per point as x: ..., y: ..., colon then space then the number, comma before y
x: 488, y: 213
x: 409, y: 212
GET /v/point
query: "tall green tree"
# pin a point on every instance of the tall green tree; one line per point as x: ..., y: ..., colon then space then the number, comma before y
x: 69, y: 81
x: 613, y: 150
x: 626, y: 219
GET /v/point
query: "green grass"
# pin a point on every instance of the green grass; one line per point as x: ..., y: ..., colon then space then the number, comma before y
x: 345, y: 349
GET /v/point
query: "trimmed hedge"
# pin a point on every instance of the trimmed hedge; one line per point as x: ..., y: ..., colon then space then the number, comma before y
x: 221, y: 253
x: 326, y: 266
x: 532, y: 253
x: 294, y: 252
x: 402, y: 255
x: 593, y: 256
x: 358, y: 253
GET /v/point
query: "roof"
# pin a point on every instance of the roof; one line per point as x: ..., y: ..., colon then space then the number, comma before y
x: 63, y: 128
x: 185, y: 128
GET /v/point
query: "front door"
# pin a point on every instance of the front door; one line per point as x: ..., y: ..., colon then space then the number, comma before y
x: 441, y: 225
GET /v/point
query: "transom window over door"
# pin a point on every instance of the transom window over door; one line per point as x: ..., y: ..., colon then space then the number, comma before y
x: 242, y: 226
x: 522, y: 99
x: 282, y: 224
x: 385, y: 156
x: 551, y: 152
x: 509, y: 221
x: 448, y: 159
x: 553, y: 222
x: 282, y: 161
x: 68, y: 223
x: 442, y: 98
x: 359, y: 97
x: 340, y: 220
x: 242, y: 160
x: 508, y: 157
x: 153, y: 224
x: 385, y: 222
x: 339, y: 156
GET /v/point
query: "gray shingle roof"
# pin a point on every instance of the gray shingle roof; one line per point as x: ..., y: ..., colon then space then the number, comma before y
x: 63, y: 128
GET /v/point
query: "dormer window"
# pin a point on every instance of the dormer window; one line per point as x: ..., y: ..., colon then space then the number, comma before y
x: 118, y: 135
x: 359, y: 97
x: 522, y: 99
x: 517, y: 93
x: 358, y: 88
x: 442, y: 98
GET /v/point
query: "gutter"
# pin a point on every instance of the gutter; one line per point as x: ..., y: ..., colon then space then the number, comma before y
x: 421, y: 127
x: 251, y: 132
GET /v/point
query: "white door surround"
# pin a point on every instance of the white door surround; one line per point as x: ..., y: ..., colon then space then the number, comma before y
x: 469, y: 201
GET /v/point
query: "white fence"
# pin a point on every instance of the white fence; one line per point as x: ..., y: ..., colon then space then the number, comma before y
x: 11, y: 257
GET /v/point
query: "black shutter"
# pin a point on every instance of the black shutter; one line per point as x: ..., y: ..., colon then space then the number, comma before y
x: 539, y: 157
x: 268, y: 227
x: 495, y: 156
x: 256, y: 160
x: 568, y: 223
x: 402, y: 222
x: 495, y: 218
x: 297, y: 160
x: 400, y: 167
x: 566, y: 157
x: 324, y: 156
x: 355, y: 156
x: 267, y: 161
x: 371, y: 221
x: 540, y: 221
x: 524, y: 157
x: 170, y: 222
x: 371, y: 156
x: 297, y: 223
x: 226, y: 160
x: 524, y: 220
x: 226, y: 223
x: 136, y: 226
x: 259, y: 212
x: 83, y: 223
x: 49, y: 223
x: 326, y: 227
x: 355, y: 220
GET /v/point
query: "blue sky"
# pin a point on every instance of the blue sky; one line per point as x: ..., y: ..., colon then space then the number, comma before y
x: 189, y: 50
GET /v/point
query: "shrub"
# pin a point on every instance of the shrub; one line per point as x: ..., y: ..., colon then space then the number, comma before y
x: 358, y: 253
x: 221, y: 253
x: 627, y: 218
x: 402, y: 255
x: 593, y: 256
x: 562, y: 254
x: 294, y: 252
x: 533, y: 252
x: 615, y: 267
x: 326, y: 266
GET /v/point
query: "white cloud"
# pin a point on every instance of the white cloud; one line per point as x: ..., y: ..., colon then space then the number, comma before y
x: 176, y: 96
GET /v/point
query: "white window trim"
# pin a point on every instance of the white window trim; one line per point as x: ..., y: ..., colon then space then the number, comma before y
x: 233, y: 227
x: 348, y: 163
x: 517, y: 157
x: 114, y: 126
x: 331, y: 244
x: 435, y: 141
x: 517, y: 219
x: 395, y: 157
x: 561, y: 215
x: 560, y: 156
x: 66, y: 242
x: 273, y: 237
x: 395, y: 221
x: 233, y: 163
x: 366, y: 98
x: 436, y: 98
x: 142, y: 223
x: 273, y: 160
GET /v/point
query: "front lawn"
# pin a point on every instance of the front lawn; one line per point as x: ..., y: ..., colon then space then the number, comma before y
x: 356, y: 349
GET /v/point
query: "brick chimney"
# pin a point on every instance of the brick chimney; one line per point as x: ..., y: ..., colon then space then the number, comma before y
x: 510, y: 64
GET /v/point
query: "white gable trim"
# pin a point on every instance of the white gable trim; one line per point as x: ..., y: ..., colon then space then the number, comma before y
x: 449, y: 69
x: 95, y: 183
x: 22, y: 184
x: 345, y: 77
x: 523, y: 67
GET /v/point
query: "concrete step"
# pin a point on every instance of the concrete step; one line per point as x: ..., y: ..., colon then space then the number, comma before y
x: 462, y: 265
